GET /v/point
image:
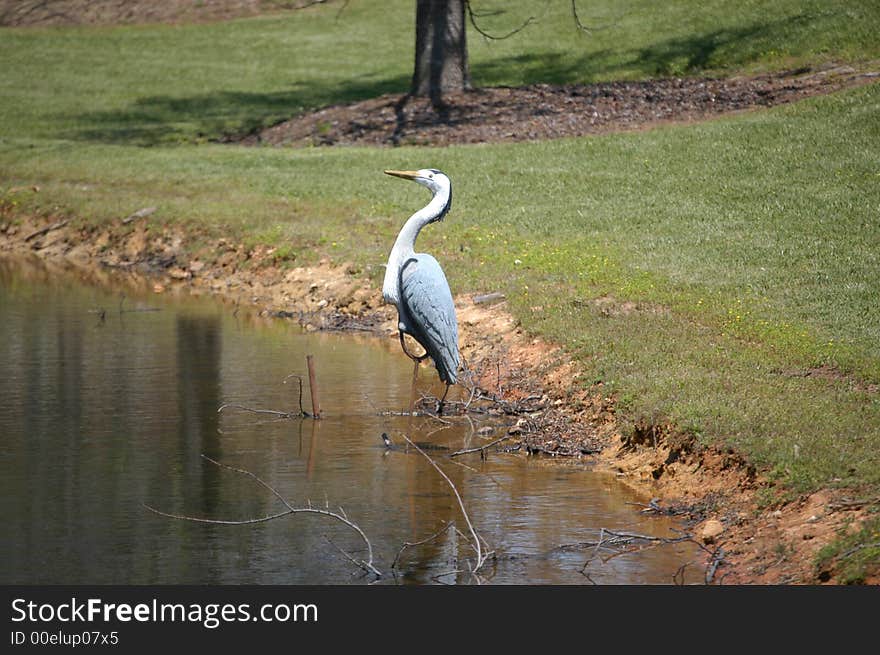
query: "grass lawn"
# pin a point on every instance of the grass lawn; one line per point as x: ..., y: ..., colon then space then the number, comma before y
x: 724, y: 276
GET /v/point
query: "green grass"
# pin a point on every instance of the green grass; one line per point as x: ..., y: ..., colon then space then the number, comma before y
x: 725, y: 276
x: 855, y: 553
x: 180, y: 84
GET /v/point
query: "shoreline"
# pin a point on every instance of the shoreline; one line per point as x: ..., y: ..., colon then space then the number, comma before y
x: 713, y: 490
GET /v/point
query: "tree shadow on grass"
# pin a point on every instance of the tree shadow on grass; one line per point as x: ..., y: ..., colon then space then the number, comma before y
x: 166, y: 120
x: 678, y: 56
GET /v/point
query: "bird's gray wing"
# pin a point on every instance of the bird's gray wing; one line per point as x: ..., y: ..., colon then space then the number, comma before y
x: 430, y: 313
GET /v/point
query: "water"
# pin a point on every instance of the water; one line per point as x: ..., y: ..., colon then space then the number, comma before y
x: 105, y: 411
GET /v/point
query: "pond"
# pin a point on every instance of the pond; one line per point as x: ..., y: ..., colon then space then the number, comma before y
x: 110, y: 400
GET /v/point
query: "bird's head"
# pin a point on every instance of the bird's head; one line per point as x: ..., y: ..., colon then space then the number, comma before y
x: 434, y: 180
x: 428, y: 177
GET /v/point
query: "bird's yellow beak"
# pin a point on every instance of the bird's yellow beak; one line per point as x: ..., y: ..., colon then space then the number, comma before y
x: 406, y: 175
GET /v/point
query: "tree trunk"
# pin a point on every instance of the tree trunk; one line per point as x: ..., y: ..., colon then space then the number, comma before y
x: 441, y: 50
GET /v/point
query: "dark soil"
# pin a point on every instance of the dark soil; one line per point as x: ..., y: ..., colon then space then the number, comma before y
x: 543, y: 111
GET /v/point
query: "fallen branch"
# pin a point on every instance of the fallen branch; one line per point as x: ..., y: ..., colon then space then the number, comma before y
x: 481, y: 449
x: 244, y: 408
x: 716, y: 555
x: 488, y: 297
x: 300, y: 380
x: 411, y: 544
x: 476, y: 539
x: 45, y: 230
x: 472, y: 16
x: 620, y: 543
x: 140, y: 213
x: 313, y: 387
x: 122, y: 298
x: 853, y: 503
x: 716, y: 559
x: 274, y: 412
x: 678, y: 576
x: 653, y: 506
x: 366, y: 564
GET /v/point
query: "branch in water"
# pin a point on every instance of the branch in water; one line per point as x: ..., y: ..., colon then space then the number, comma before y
x: 366, y: 564
x: 481, y: 558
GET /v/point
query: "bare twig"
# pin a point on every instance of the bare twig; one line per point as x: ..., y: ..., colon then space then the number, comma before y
x: 273, y: 412
x: 313, y: 387
x: 678, y: 576
x: 411, y: 544
x: 300, y: 380
x: 856, y: 549
x: 716, y: 559
x: 481, y: 449
x: 45, y: 230
x: 366, y: 564
x: 472, y: 16
x: 622, y: 542
x: 589, y: 28
x: 359, y: 563
x: 140, y: 213
x: 476, y: 539
x: 852, y: 503
x: 341, y: 9
x: 652, y: 506
x: 488, y: 297
x: 196, y: 519
x: 122, y: 299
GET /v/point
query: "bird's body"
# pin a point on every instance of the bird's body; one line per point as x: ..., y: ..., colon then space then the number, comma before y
x: 416, y: 285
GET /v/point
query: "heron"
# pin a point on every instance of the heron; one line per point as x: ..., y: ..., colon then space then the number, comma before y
x: 416, y: 285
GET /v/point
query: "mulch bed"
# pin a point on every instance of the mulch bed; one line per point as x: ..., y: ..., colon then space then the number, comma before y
x: 543, y: 111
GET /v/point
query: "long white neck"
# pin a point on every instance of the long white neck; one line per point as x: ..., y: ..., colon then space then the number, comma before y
x: 404, y: 246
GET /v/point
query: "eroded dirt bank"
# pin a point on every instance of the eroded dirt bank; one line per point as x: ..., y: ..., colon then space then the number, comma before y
x: 713, y: 490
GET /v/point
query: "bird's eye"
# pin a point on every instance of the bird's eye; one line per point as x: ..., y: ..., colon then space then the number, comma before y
x: 431, y: 176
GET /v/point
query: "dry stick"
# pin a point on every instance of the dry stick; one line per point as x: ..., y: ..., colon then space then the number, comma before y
x: 716, y: 555
x: 425, y: 412
x: 255, y: 411
x: 469, y: 468
x: 480, y: 448
x: 436, y: 578
x: 856, y: 549
x: 678, y: 577
x: 623, y: 539
x: 313, y: 388
x: 273, y: 412
x: 47, y: 229
x: 410, y: 544
x: 492, y: 37
x: 467, y: 519
x: 300, y: 380
x: 140, y: 213
x: 196, y: 519
x: 471, y: 399
x: 595, y: 550
x: 364, y: 564
x: 853, y: 503
x: 348, y: 557
x: 717, y: 558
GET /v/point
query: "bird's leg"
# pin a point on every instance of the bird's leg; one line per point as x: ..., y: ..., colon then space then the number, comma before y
x: 442, y: 401
x: 415, y: 358
x: 412, y: 392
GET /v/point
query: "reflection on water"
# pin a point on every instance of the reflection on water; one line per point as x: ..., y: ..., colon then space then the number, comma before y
x: 105, y: 410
